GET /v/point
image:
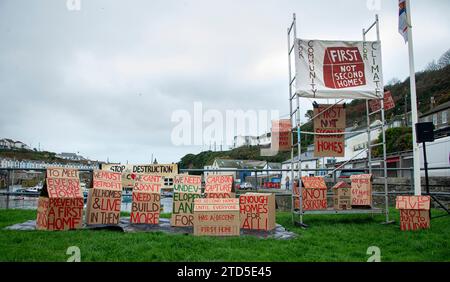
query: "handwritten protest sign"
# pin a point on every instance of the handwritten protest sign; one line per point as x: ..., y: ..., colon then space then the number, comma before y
x: 104, y: 198
x: 375, y: 104
x: 330, y: 120
x: 60, y: 205
x: 186, y: 189
x: 314, y: 193
x: 216, y: 217
x: 338, y: 69
x: 146, y: 199
x: 281, y: 134
x: 414, y: 212
x: 168, y: 171
x: 219, y: 186
x: 342, y: 196
x: 361, y: 190
x: 257, y: 211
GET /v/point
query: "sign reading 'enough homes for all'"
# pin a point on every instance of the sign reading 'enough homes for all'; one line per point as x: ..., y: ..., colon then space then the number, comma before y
x: 338, y: 69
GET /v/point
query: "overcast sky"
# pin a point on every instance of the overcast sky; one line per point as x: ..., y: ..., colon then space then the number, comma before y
x: 104, y: 81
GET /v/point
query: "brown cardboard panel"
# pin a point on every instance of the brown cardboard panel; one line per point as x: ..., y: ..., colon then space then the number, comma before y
x: 329, y: 121
x: 216, y: 217
x: 60, y: 206
x: 281, y: 134
x: 146, y: 199
x: 314, y: 193
x: 413, y: 202
x: 412, y: 219
x: 168, y: 171
x: 342, y: 196
x: 186, y: 189
x: 103, y: 206
x: 219, y: 186
x: 257, y: 211
x: 361, y: 190
x: 107, y: 180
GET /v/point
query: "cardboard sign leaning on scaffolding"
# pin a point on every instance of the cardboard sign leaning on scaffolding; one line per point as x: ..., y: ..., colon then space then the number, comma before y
x: 146, y: 204
x: 342, y: 196
x: 314, y: 193
x: 281, y: 134
x: 375, y: 104
x: 60, y: 204
x: 186, y: 189
x: 361, y: 190
x: 168, y: 171
x: 219, y: 186
x: 329, y: 119
x: 338, y: 69
x: 104, y: 198
x: 414, y: 212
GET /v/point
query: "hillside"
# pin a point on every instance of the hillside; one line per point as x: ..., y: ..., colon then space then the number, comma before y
x: 22, y: 154
x: 431, y: 83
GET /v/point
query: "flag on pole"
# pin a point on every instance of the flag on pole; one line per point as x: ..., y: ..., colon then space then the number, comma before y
x: 402, y: 19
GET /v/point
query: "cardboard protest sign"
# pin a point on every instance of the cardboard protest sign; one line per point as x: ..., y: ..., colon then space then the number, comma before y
x: 186, y: 189
x: 60, y: 205
x: 414, y: 212
x: 375, y: 104
x: 329, y: 119
x: 146, y: 199
x: 314, y: 193
x: 338, y: 69
x: 104, y: 198
x: 257, y: 211
x: 361, y: 190
x: 168, y: 171
x: 219, y: 186
x: 281, y: 134
x: 216, y: 217
x: 342, y: 196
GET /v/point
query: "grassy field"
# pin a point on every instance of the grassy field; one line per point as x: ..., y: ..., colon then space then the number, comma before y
x: 329, y: 238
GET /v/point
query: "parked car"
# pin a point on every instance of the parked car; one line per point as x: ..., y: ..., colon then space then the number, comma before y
x: 347, y: 173
x: 245, y: 186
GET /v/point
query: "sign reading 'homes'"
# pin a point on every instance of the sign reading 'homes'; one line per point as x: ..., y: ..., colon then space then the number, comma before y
x: 330, y: 119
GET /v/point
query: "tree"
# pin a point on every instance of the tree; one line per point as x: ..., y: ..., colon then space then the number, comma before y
x: 444, y: 60
x: 398, y: 139
x: 309, y: 114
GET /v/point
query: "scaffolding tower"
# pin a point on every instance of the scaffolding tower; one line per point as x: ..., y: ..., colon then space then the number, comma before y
x: 297, y: 214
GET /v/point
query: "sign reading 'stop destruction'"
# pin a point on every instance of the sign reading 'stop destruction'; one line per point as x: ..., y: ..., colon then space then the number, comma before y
x: 168, y: 171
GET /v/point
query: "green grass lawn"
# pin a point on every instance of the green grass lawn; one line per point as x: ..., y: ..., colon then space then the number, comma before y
x: 329, y: 238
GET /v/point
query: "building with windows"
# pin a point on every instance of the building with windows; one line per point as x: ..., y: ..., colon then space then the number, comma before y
x: 440, y: 117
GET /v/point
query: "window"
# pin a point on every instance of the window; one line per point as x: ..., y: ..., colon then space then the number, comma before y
x: 435, y: 119
x: 444, y: 117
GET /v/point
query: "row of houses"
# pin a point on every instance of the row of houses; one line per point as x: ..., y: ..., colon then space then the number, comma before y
x: 10, y: 144
x: 29, y: 164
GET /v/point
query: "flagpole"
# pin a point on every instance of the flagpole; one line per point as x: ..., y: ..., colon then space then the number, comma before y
x: 412, y: 81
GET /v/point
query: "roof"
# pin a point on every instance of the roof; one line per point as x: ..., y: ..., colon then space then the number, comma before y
x: 274, y: 165
x: 436, y: 109
x: 239, y: 164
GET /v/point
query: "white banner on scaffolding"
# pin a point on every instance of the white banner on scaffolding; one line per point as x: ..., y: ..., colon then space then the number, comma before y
x: 338, y: 69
